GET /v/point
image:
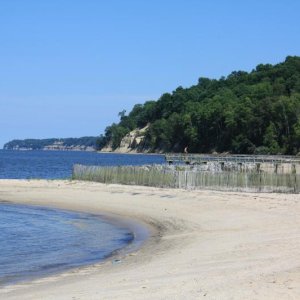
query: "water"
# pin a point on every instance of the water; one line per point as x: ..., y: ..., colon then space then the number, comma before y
x: 35, y: 241
x: 58, y: 164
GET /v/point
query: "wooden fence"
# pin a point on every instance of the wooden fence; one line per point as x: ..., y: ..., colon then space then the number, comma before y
x: 235, y: 158
x: 132, y: 175
x: 158, y: 176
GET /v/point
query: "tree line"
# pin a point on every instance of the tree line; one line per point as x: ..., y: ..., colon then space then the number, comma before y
x: 255, y: 112
x: 37, y: 144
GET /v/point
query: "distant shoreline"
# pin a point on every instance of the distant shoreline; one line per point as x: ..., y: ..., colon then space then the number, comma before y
x: 65, y: 150
x: 133, y: 153
x: 94, y: 151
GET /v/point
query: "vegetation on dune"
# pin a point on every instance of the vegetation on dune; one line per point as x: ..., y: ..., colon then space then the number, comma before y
x: 253, y: 113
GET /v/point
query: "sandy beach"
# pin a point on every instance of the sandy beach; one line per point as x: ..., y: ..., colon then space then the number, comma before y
x: 202, y: 244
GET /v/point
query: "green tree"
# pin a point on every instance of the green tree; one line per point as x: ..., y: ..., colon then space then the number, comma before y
x: 270, y: 139
x: 255, y: 112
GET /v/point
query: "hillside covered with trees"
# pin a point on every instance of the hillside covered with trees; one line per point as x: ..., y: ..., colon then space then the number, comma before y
x: 252, y: 113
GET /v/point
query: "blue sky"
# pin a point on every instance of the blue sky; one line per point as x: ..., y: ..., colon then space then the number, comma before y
x: 68, y: 67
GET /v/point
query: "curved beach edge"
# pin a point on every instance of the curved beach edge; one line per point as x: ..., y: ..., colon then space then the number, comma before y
x: 215, y: 245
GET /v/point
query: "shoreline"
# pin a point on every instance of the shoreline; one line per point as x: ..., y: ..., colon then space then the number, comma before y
x: 205, y: 244
x: 91, y: 151
x: 140, y: 234
x: 131, y: 152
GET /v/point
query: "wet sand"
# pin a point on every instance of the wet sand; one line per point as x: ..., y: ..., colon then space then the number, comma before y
x: 203, y: 244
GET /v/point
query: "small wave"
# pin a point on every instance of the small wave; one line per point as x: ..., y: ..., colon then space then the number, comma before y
x: 53, y: 266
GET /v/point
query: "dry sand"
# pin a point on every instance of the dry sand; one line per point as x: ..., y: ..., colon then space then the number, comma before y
x: 204, y: 244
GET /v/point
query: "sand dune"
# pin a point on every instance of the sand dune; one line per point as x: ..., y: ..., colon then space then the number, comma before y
x: 203, y: 244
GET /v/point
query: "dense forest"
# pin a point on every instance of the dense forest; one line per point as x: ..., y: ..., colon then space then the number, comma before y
x: 38, y: 144
x: 255, y: 112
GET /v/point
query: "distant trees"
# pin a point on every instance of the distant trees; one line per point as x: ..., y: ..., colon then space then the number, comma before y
x: 37, y: 144
x: 256, y: 112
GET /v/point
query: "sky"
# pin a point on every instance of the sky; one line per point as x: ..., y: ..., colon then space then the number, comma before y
x: 68, y: 67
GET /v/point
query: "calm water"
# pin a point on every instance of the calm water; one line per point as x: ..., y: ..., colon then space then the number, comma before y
x: 58, y: 164
x: 37, y: 241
